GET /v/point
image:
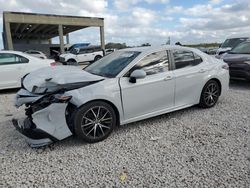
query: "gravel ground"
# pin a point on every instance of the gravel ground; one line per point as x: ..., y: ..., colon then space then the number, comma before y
x: 189, y: 148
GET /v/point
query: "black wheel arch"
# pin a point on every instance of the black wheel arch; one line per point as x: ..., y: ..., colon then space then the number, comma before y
x: 218, y: 82
x: 71, y: 59
x: 98, y: 56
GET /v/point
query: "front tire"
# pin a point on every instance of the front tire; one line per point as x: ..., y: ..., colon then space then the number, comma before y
x: 95, y: 121
x: 210, y: 94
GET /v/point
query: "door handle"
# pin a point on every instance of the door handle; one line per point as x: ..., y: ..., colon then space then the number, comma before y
x: 202, y: 70
x: 168, y: 78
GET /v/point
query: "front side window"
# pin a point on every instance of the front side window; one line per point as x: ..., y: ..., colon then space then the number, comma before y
x: 154, y: 63
x: 6, y: 59
x: 112, y: 64
x: 185, y: 59
x: 243, y: 48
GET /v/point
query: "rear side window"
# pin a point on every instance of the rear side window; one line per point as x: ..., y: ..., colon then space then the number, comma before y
x: 185, y: 59
x: 6, y: 59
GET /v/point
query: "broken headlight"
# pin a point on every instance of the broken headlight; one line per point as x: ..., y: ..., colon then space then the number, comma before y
x: 60, y: 98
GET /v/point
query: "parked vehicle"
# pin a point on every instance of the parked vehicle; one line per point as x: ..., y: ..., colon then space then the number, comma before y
x: 212, y: 51
x: 204, y: 50
x: 238, y: 60
x: 230, y: 43
x: 126, y: 86
x: 76, y: 56
x: 109, y: 51
x: 36, y: 53
x: 77, y: 46
x: 14, y: 65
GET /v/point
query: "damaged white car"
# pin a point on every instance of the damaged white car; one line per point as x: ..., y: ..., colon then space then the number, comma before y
x: 123, y: 87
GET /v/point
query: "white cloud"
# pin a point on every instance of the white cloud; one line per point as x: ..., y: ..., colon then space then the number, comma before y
x: 215, y: 2
x: 126, y: 21
x: 126, y: 4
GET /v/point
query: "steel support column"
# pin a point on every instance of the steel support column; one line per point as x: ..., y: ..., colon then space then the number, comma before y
x: 60, y: 30
x: 102, y: 38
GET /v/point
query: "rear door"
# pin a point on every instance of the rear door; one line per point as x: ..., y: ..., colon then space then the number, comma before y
x: 85, y: 55
x: 12, y: 69
x: 189, y: 73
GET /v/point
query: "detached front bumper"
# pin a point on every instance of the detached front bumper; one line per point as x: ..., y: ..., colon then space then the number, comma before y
x: 34, y: 136
x: 45, y: 126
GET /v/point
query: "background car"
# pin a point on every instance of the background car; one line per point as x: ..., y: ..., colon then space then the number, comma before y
x: 14, y: 65
x: 76, y: 46
x: 79, y: 55
x: 230, y: 43
x: 126, y: 86
x: 36, y: 53
x: 238, y: 60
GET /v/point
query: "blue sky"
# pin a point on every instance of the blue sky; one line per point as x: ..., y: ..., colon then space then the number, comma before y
x: 138, y: 21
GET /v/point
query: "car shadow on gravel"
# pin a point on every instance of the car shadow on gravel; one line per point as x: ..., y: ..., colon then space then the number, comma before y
x: 154, y: 120
x: 239, y: 85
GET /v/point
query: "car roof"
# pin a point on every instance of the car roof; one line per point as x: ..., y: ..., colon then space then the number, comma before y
x: 238, y: 36
x: 149, y: 49
x: 11, y: 52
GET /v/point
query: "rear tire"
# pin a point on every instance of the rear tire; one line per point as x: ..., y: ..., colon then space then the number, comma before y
x: 210, y: 94
x: 95, y: 121
x: 97, y: 57
x: 72, y: 62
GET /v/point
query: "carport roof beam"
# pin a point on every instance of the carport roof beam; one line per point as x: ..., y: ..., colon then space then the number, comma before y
x: 50, y: 19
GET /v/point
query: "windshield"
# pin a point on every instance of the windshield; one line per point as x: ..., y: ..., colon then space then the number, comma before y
x: 73, y: 50
x: 231, y: 43
x: 243, y: 48
x: 112, y: 64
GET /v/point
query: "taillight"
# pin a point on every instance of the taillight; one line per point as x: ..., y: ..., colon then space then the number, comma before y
x: 225, y: 66
x: 53, y: 64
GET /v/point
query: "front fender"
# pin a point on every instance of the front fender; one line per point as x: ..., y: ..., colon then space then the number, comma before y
x: 108, y: 90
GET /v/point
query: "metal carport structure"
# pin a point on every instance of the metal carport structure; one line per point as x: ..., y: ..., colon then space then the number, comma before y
x: 20, y: 26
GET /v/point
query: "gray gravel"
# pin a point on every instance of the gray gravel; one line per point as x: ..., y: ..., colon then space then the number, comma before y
x: 189, y: 148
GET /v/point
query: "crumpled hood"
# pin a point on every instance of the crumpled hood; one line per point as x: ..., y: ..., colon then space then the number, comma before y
x: 51, y: 79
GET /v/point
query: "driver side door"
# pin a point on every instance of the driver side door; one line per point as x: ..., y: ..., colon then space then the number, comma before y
x: 151, y: 95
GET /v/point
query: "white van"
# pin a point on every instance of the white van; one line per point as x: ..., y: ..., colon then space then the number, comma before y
x: 230, y: 43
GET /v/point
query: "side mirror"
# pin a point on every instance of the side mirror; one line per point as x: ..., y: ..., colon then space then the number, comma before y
x: 137, y: 74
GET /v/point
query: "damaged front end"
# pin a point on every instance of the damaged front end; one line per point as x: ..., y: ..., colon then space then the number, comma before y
x: 46, y: 118
x: 48, y: 108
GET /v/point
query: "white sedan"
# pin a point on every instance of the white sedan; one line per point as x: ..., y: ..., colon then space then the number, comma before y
x: 125, y: 86
x: 36, y: 53
x: 14, y: 65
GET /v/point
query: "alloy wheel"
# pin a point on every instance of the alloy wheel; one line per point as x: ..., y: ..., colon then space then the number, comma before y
x: 211, y: 94
x: 96, y: 122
